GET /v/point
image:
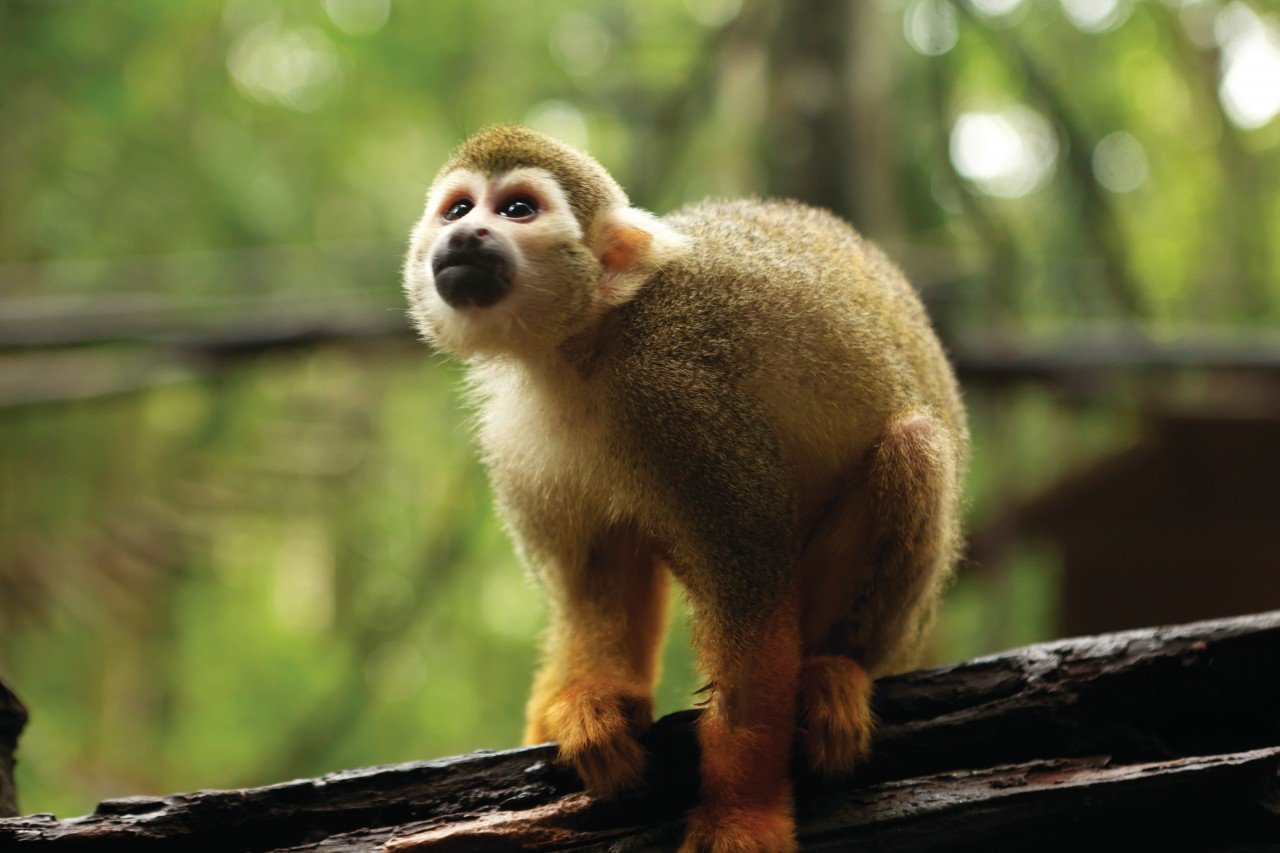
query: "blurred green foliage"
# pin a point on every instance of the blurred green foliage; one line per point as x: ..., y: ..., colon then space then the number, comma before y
x: 294, y: 566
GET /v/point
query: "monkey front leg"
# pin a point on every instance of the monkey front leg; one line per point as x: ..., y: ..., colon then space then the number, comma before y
x: 594, y: 692
x: 746, y: 729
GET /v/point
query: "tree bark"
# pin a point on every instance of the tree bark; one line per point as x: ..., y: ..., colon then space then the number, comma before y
x: 13, y: 717
x: 1163, y: 736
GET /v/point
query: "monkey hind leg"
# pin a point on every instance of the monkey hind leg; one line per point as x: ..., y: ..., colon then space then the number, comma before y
x: 871, y: 570
x: 835, y: 713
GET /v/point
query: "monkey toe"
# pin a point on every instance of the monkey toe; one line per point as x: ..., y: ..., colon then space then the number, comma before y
x: 835, y: 704
x: 596, y: 726
x: 740, y: 830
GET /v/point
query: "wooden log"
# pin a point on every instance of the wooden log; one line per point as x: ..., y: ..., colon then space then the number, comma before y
x: 1186, y: 803
x: 985, y: 749
x: 13, y: 718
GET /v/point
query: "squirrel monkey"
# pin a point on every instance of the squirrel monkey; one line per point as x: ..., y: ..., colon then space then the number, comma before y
x: 746, y: 396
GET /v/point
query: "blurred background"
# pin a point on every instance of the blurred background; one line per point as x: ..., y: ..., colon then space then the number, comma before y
x: 243, y: 536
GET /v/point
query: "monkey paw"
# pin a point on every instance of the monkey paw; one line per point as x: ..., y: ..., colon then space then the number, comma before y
x: 596, y: 725
x: 835, y: 704
x: 739, y: 830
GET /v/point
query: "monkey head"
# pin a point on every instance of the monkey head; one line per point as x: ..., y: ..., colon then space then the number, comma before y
x: 524, y: 243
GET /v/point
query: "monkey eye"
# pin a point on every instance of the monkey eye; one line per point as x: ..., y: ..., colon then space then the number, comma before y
x: 458, y: 209
x: 520, y: 207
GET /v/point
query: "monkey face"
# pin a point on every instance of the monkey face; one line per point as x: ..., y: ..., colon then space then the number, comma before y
x: 499, y: 263
x: 525, y: 243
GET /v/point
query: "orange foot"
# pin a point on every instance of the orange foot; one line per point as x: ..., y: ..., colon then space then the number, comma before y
x: 596, y: 724
x: 740, y: 830
x: 835, y: 708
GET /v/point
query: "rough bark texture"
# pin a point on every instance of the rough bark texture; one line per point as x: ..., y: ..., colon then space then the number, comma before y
x: 1167, y: 736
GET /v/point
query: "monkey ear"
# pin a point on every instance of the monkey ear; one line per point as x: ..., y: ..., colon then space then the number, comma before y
x: 632, y: 245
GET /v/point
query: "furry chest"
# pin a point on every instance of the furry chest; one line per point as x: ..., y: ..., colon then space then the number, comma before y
x: 556, y: 451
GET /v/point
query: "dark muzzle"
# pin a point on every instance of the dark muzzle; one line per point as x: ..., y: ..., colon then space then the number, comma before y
x: 472, y: 271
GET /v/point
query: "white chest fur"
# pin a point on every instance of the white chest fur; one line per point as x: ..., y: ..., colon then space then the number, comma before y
x: 549, y: 447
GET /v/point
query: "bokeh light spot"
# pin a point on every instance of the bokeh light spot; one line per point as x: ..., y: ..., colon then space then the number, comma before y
x: 1250, y: 87
x: 1006, y: 154
x: 995, y: 8
x: 295, y: 68
x: 358, y: 17
x: 1120, y: 162
x: 562, y: 120
x: 713, y: 13
x: 1096, y: 16
x: 931, y: 26
x: 580, y: 44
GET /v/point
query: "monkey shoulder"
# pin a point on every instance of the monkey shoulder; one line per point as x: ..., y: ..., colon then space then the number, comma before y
x: 789, y: 255
x: 765, y: 229
x: 788, y: 303
x: 771, y: 278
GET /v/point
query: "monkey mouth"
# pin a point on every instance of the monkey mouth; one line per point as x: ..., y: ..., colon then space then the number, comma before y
x: 471, y: 278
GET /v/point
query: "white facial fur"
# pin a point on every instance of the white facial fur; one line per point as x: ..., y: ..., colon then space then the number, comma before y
x: 511, y: 324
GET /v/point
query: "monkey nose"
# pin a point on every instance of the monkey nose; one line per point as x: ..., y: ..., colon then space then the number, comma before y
x: 471, y: 272
x: 472, y: 240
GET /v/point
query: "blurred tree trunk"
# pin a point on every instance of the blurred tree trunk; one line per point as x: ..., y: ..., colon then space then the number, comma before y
x: 809, y: 153
x: 830, y: 137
